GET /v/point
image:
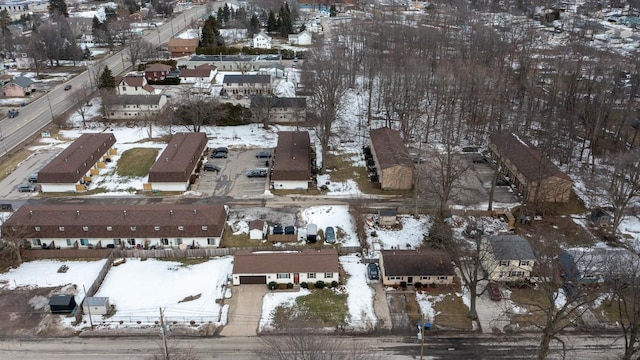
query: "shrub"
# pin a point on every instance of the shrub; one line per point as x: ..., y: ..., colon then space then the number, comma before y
x: 273, y: 285
x: 434, y: 285
x: 304, y: 285
x: 334, y: 284
x: 290, y: 286
x: 403, y: 284
x: 417, y: 285
x: 319, y: 284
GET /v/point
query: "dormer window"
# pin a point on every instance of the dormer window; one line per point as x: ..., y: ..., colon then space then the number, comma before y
x: 205, y: 227
x: 109, y: 228
x: 61, y: 228
x: 133, y: 228
x: 156, y: 228
x: 180, y: 227
x: 85, y: 228
x: 37, y: 228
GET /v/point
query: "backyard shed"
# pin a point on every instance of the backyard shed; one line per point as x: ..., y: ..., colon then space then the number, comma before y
x: 62, y: 304
x: 96, y: 305
x: 257, y: 229
x: 387, y: 217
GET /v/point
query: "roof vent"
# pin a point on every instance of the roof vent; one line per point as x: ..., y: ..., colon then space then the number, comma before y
x: 195, y: 211
x: 77, y: 212
x: 30, y: 212
x: 170, y: 212
x: 124, y: 212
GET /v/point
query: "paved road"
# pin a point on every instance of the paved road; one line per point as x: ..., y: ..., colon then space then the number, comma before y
x: 40, y: 113
x: 467, y: 346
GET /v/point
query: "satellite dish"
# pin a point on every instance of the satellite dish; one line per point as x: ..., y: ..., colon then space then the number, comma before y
x: 182, y: 246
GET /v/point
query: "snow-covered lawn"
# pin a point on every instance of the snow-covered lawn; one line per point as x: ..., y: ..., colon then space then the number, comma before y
x: 186, y: 292
x: 333, y: 215
x: 271, y: 301
x: 409, y: 236
x: 44, y: 273
x: 359, y: 294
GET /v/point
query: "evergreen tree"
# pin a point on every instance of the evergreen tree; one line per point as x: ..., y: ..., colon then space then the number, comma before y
x: 272, y: 23
x: 333, y: 11
x: 106, y: 81
x: 254, y: 25
x: 59, y: 6
x: 211, y: 33
x: 226, y: 13
x: 220, y: 16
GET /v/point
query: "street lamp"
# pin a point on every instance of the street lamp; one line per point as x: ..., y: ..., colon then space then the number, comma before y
x: 159, y: 41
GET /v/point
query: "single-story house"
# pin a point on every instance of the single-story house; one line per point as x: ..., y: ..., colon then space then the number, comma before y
x: 136, y: 106
x: 292, y: 161
x: 283, y: 267
x: 76, y: 165
x: 410, y: 267
x: 258, y: 229
x: 62, y: 304
x: 182, y: 47
x: 392, y: 160
x: 204, y: 73
x: 242, y: 63
x: 534, y: 175
x: 262, y: 41
x: 156, y: 71
x: 387, y: 217
x: 93, y: 305
x: 507, y: 258
x: 303, y: 38
x: 115, y: 225
x: 178, y: 162
x: 133, y: 84
x: 18, y: 87
x: 279, y: 109
x: 246, y: 84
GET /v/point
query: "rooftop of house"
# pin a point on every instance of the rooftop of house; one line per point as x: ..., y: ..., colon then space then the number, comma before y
x: 179, y: 158
x: 416, y: 263
x: 269, y: 262
x: 292, y: 156
x: 510, y: 247
x: 389, y: 148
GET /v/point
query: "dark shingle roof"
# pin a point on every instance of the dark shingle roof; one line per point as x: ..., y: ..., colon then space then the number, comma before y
x: 279, y: 102
x: 23, y: 82
x: 525, y: 157
x: 292, y: 156
x: 389, y: 148
x: 74, y: 162
x: 510, y: 247
x: 179, y: 158
x: 416, y: 263
x: 270, y: 262
x: 247, y: 79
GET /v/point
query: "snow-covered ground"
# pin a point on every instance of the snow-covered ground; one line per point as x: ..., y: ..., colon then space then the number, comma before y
x: 359, y: 294
x: 271, y: 301
x: 139, y: 288
x: 336, y: 216
x: 408, y: 234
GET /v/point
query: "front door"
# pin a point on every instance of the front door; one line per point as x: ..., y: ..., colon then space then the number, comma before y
x: 409, y: 280
x: 296, y: 278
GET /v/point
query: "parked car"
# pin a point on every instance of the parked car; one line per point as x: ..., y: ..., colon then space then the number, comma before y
x: 329, y: 235
x: 211, y: 167
x: 278, y: 230
x: 33, y: 178
x: 263, y: 154
x: 223, y: 149
x: 372, y: 271
x: 289, y: 230
x: 219, y: 155
x: 494, y: 291
x: 26, y: 188
x: 67, y: 87
x: 257, y: 173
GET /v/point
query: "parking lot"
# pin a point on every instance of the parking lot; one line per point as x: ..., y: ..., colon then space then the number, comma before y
x: 232, y: 180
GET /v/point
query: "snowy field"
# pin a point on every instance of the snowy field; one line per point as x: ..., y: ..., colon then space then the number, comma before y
x: 139, y: 288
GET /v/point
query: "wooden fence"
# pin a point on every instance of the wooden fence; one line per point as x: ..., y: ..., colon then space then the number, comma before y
x: 93, y: 289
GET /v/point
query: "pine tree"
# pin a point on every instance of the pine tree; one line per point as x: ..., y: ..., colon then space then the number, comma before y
x: 211, y: 33
x: 59, y: 6
x: 254, y: 25
x: 333, y: 11
x: 106, y: 81
x: 272, y: 23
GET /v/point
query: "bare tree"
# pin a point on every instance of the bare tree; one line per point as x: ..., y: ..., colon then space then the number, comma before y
x: 624, y: 273
x: 310, y: 346
x: 625, y: 183
x: 81, y: 98
x: 138, y: 49
x: 14, y: 238
x: 197, y: 109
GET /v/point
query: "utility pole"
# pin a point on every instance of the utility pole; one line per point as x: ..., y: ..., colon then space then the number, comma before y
x: 88, y: 306
x: 163, y: 333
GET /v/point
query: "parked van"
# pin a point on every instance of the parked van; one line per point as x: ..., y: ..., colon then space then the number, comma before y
x: 312, y: 233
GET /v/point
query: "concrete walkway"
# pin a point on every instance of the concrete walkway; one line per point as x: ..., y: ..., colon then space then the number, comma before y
x: 380, y: 306
x: 245, y: 310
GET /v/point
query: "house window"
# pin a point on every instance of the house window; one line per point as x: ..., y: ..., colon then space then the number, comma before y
x: 504, y: 262
x: 180, y: 227
x: 85, y: 228
x: 37, y: 228
x: 328, y: 275
x: 117, y: 241
x: 156, y: 228
x: 425, y: 277
x: 84, y: 242
x: 516, y: 273
x: 311, y: 275
x: 501, y: 275
x: 164, y: 241
x: 394, y: 277
x: 524, y: 262
x: 442, y: 278
x: 109, y: 228
x: 69, y: 242
x: 131, y: 242
x: 205, y: 228
x: 124, y: 88
x: 133, y: 228
x: 178, y: 241
x: 61, y: 228
x: 283, y: 275
x: 36, y: 242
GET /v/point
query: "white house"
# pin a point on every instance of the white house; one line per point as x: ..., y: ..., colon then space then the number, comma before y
x: 136, y: 106
x: 303, y: 38
x: 284, y: 267
x: 257, y: 229
x: 313, y: 27
x: 262, y: 41
x: 133, y: 84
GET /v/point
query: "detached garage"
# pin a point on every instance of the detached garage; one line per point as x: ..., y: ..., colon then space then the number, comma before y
x: 62, y: 304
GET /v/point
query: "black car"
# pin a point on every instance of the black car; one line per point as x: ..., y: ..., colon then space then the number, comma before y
x: 223, y: 149
x: 372, y: 271
x: 263, y: 154
x: 67, y: 87
x: 211, y: 167
x: 219, y: 155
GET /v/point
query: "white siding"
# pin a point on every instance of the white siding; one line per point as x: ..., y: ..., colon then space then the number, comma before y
x: 170, y: 186
x: 290, y: 185
x: 58, y: 187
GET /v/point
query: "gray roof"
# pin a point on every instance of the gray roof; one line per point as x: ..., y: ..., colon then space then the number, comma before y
x: 279, y: 102
x: 510, y: 247
x: 140, y: 99
x: 96, y: 300
x: 214, y: 58
x: 22, y: 81
x: 247, y: 79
